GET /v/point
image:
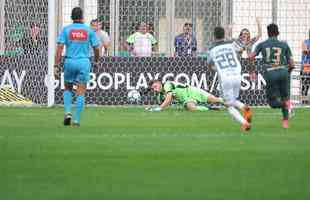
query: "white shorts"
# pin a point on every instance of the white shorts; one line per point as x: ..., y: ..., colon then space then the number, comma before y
x: 230, y: 88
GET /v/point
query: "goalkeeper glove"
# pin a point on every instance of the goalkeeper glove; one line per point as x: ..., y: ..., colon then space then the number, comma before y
x: 154, y: 109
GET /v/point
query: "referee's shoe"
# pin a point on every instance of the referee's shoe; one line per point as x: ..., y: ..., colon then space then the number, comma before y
x: 67, y: 119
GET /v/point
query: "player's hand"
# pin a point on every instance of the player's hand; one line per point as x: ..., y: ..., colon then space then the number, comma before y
x: 154, y: 109
x: 253, y: 76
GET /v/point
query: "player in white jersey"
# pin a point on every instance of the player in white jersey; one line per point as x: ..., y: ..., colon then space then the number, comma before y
x: 222, y: 57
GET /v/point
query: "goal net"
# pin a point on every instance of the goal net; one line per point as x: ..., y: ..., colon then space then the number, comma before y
x: 24, y: 46
x: 23, y: 58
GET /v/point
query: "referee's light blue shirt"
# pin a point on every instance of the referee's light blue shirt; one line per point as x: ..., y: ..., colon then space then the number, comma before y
x: 77, y: 38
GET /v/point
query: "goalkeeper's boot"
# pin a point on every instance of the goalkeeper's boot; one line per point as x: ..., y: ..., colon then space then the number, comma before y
x: 247, y: 114
x: 246, y: 126
x: 67, y: 119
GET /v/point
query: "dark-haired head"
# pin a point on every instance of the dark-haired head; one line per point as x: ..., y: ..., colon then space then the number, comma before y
x: 77, y: 14
x: 154, y: 85
x: 273, y: 30
x: 219, y: 33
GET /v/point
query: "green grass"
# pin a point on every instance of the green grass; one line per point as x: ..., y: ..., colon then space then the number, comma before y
x: 127, y: 153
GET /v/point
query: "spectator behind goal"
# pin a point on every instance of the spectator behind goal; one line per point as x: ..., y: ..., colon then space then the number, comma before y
x: 140, y: 44
x: 102, y: 36
x: 305, y: 59
x: 185, y: 43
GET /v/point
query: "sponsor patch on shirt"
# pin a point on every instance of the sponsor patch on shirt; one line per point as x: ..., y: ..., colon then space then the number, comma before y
x: 78, y: 35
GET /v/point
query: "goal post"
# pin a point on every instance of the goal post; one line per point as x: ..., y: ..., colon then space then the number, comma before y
x: 51, y: 52
x: 2, y: 40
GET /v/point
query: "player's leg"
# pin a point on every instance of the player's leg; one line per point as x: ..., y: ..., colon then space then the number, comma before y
x: 272, y: 89
x: 203, y: 96
x: 192, y: 106
x: 192, y: 97
x: 82, y: 79
x: 229, y: 98
x: 274, y: 80
x: 214, y: 99
x: 69, y: 76
x: 67, y: 95
x: 80, y: 92
x: 245, y: 109
x: 284, y: 89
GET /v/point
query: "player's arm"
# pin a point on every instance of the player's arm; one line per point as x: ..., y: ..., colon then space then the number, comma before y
x: 291, y: 64
x: 259, y: 28
x: 228, y: 32
x: 167, y: 101
x: 94, y: 42
x: 61, y: 41
x: 59, y: 50
x: 289, y: 56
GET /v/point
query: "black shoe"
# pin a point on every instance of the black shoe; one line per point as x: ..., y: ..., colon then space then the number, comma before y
x: 67, y: 119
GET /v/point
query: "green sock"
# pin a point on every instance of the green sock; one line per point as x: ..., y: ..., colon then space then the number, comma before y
x: 202, y: 108
x: 285, y: 113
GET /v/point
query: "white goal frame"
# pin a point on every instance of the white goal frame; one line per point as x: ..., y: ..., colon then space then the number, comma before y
x: 2, y: 20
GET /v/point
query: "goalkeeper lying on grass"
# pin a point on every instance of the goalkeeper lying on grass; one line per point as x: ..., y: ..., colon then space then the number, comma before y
x: 188, y: 96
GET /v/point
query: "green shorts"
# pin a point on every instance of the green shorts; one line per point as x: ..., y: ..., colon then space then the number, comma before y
x: 195, y: 95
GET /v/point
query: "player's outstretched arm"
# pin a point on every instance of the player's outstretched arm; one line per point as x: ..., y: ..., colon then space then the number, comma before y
x: 162, y: 106
x: 167, y: 101
x: 259, y: 28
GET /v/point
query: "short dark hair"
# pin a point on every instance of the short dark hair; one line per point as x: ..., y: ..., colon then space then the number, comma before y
x: 272, y: 30
x: 219, y: 32
x: 152, y: 82
x: 77, y: 14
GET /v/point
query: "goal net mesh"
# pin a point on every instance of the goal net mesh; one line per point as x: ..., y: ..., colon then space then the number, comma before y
x: 24, y: 32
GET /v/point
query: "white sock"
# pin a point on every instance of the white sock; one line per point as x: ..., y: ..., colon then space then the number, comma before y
x: 236, y: 115
x: 239, y: 104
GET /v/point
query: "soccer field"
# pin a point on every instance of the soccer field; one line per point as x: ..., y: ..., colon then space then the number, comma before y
x: 127, y: 153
